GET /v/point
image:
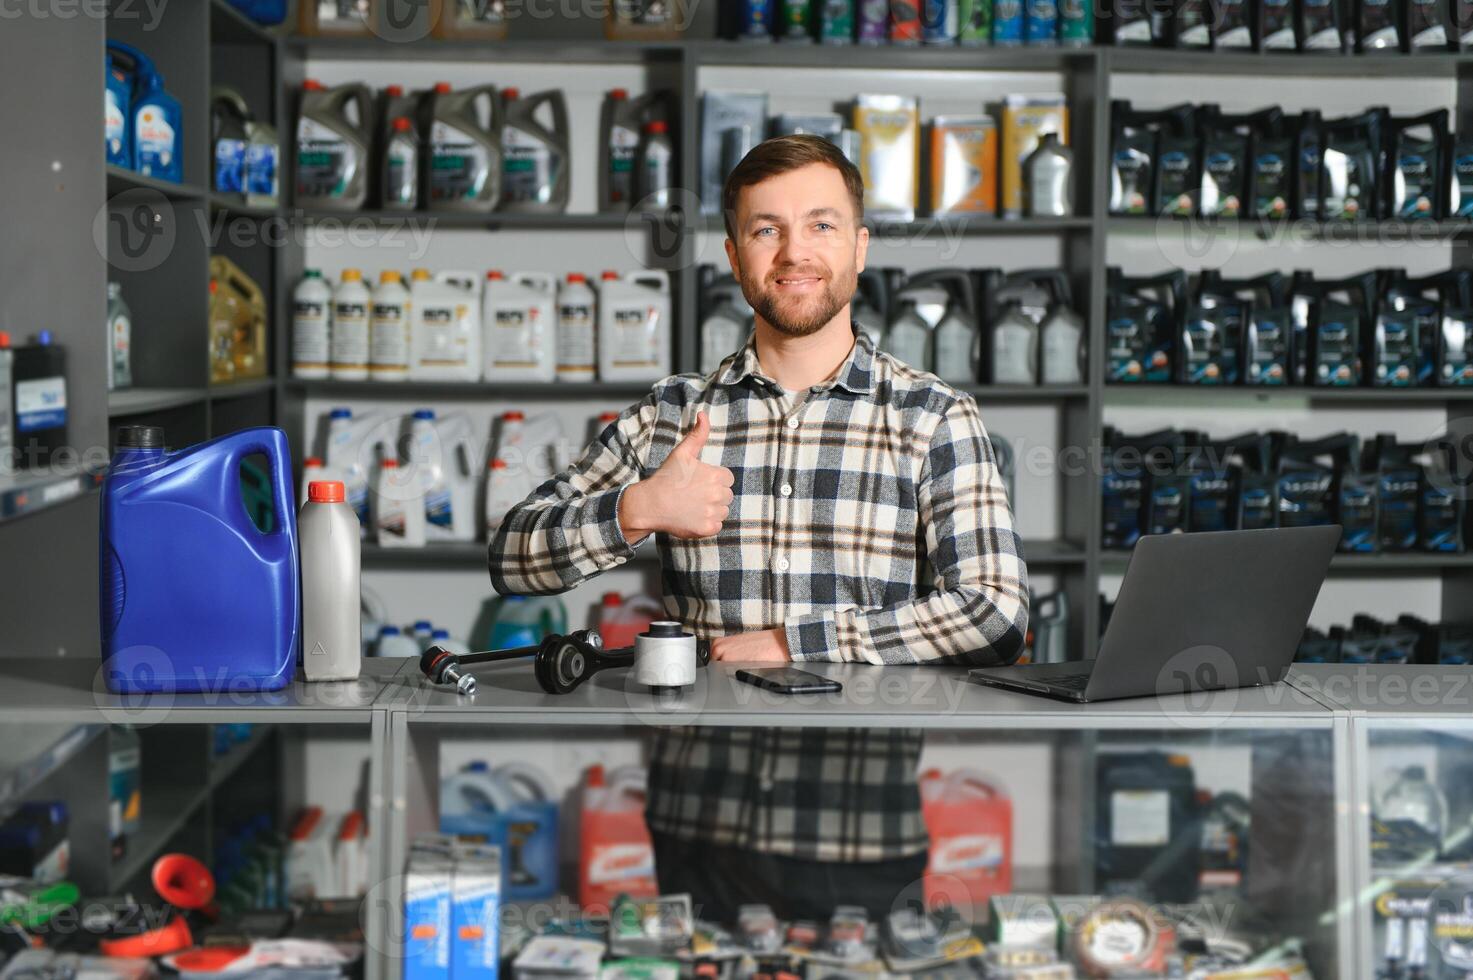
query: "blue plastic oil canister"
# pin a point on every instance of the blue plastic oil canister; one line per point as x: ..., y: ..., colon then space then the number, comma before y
x: 196, y: 596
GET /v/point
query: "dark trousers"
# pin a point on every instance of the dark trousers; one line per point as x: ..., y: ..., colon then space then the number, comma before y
x: 719, y: 879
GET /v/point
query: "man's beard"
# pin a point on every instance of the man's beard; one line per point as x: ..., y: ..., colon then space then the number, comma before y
x: 801, y: 316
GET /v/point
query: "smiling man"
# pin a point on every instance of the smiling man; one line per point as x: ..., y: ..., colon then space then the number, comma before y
x: 813, y: 500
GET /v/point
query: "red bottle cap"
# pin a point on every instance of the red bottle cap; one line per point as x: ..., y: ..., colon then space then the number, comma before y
x: 325, y: 492
x: 402, y: 125
x: 513, y: 417
x: 4, y: 339
x: 511, y: 92
x: 577, y: 277
x: 613, y: 599
x: 496, y: 464
x: 442, y: 88
x: 311, y: 85
x: 394, y: 91
x: 610, y: 274
x: 618, y: 93
x: 390, y: 464
x: 311, y: 461
x: 656, y: 126
x: 608, y: 417
x: 494, y: 274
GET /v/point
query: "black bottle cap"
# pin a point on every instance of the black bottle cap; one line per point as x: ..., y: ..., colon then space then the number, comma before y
x: 140, y: 437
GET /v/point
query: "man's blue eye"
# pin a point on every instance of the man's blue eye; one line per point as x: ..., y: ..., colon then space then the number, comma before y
x: 825, y: 226
x: 763, y: 231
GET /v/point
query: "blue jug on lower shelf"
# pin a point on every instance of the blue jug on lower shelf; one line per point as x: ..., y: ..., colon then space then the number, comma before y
x: 196, y: 596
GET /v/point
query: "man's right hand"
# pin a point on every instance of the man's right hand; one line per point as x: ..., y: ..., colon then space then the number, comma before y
x: 685, y: 497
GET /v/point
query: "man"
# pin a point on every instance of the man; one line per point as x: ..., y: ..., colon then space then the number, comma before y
x: 812, y: 500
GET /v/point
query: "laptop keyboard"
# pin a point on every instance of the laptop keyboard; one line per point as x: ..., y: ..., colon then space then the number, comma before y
x: 1070, y: 682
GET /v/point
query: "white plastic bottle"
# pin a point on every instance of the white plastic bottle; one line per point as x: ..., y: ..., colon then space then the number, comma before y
x: 421, y: 633
x: 393, y: 643
x: 519, y: 327
x: 440, y: 456
x: 634, y: 326
x: 508, y: 475
x: 577, y: 326
x: 388, y: 329
x: 398, y: 509
x: 443, y: 639
x: 332, y: 630
x: 445, y: 326
x: 956, y: 343
x: 312, y: 327
x: 350, y: 328
x: 353, y: 444
x: 909, y: 337
x: 656, y: 168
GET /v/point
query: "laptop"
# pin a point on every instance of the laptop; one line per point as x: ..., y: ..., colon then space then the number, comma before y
x: 1196, y: 612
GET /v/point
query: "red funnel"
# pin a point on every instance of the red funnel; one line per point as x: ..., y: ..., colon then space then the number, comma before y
x: 183, y: 881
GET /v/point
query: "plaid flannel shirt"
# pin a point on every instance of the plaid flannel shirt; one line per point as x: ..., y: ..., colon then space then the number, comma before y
x: 870, y: 523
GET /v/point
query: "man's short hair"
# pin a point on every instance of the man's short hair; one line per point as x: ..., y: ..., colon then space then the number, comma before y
x: 783, y: 154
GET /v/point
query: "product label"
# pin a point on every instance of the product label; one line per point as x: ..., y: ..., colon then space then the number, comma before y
x: 438, y: 511
x: 1398, y: 525
x: 1201, y: 352
x: 1457, y: 349
x: 230, y: 166
x: 1208, y: 510
x: 1309, y: 180
x: 1122, y: 509
x: 260, y: 169
x: 349, y: 334
x: 1041, y: 18
x: 623, y: 145
x: 1304, y: 499
x: 1140, y: 818
x: 1441, y: 519
x: 389, y: 338
x: 310, y: 334
x: 1007, y: 22
x: 1397, y: 349
x: 1130, y: 180
x: 1414, y: 181
x: 1337, y: 362
x: 515, y: 340
x: 1268, y: 348
x: 1356, y: 511
x: 1232, y: 24
x: 1257, y: 508
x: 40, y: 403
x: 460, y: 165
x: 908, y: 342
x: 636, y: 337
x: 976, y: 20
x: 441, y: 335
x: 1191, y: 25
x: 402, y: 177
x: 964, y: 168
x: 114, y: 127
x: 326, y: 163
x: 527, y: 169
x: 1178, y: 186
x: 1222, y: 182
x: 1271, y: 181
x: 153, y: 141
x: 953, y: 347
x: 576, y: 353
x: 1168, y: 510
x: 120, y: 331
x: 1349, y: 181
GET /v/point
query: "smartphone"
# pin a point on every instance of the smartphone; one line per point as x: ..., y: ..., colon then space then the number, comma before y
x: 788, y: 680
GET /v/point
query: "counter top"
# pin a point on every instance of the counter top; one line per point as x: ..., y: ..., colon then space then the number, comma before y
x: 898, y: 697
x: 72, y: 690
x: 1388, y: 691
